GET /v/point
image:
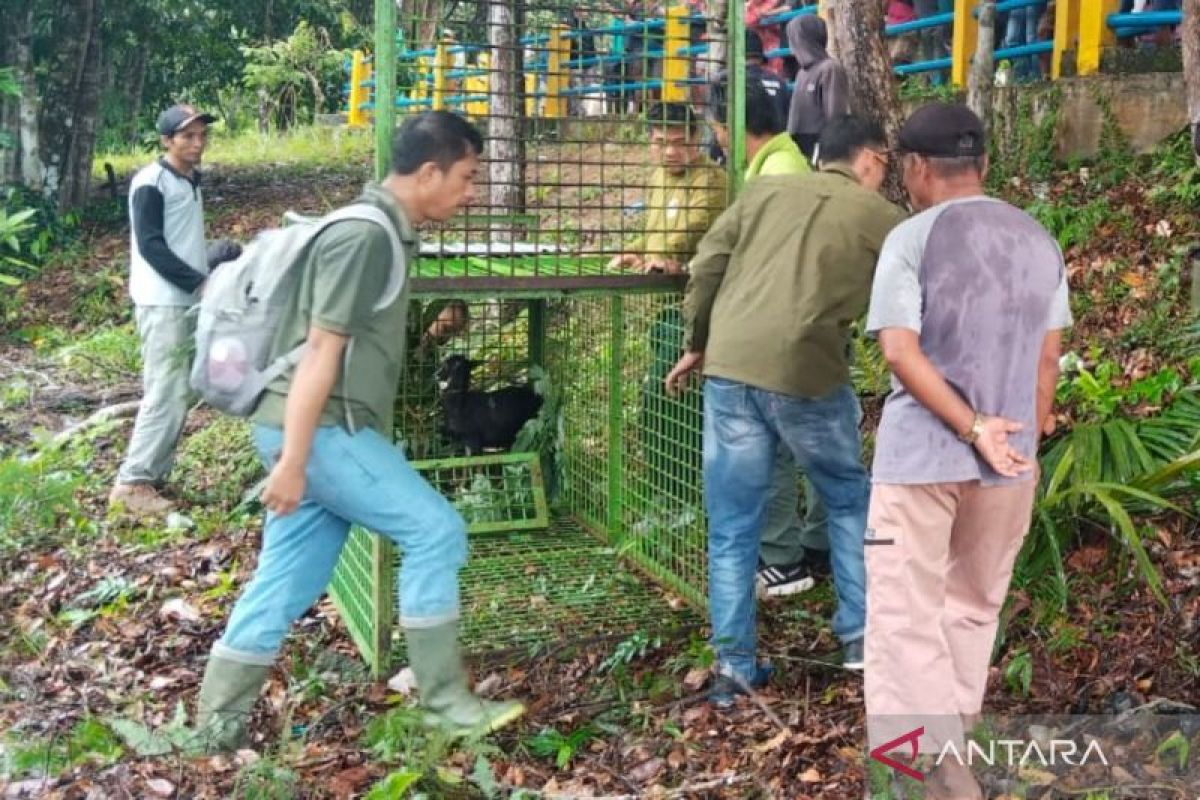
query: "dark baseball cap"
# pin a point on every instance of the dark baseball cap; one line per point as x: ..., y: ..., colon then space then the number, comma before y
x: 180, y: 116
x: 943, y: 130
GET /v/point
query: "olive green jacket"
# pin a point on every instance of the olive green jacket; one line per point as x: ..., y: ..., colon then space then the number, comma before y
x: 780, y: 277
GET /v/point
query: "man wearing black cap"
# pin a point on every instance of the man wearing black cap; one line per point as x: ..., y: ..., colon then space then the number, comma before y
x: 169, y: 262
x: 968, y: 302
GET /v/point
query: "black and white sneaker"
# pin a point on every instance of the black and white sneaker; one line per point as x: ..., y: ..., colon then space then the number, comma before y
x: 784, y: 580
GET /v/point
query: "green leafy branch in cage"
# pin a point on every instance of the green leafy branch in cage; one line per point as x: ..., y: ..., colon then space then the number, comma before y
x: 476, y: 501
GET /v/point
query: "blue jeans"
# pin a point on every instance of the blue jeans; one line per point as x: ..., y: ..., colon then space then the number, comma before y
x: 742, y: 428
x: 1022, y: 29
x: 351, y: 480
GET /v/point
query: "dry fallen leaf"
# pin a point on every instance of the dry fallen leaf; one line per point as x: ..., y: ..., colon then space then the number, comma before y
x: 178, y: 608
x: 773, y: 743
x: 811, y: 775
x: 403, y: 682
x: 647, y: 770
x: 161, y: 787
x: 695, y: 678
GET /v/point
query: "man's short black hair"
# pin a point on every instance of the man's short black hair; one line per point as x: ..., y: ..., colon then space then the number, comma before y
x: 843, y: 137
x: 762, y: 112
x: 671, y: 114
x: 442, y: 137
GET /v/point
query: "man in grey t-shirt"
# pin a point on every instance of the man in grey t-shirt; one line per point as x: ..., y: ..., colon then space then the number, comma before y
x: 968, y: 302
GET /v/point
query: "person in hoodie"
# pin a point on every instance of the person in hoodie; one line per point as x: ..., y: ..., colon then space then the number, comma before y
x: 822, y: 90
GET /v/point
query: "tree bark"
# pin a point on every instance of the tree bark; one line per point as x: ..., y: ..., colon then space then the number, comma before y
x: 77, y: 173
x: 1191, y: 67
x: 29, y: 169
x: 503, y: 146
x: 137, y: 87
x: 982, y: 77
x: 856, y: 35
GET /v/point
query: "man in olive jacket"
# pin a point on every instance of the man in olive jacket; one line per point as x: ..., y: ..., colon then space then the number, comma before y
x: 773, y: 290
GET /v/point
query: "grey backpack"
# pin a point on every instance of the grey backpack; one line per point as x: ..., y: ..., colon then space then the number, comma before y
x: 244, y: 303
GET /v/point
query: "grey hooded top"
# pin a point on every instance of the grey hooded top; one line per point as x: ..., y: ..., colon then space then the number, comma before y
x: 822, y: 90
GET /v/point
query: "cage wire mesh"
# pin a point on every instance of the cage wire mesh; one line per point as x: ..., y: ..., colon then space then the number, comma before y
x: 596, y: 183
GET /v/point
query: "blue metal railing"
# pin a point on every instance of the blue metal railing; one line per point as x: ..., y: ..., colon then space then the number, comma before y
x: 1126, y: 25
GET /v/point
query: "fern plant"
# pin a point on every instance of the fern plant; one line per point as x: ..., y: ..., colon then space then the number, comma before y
x: 1102, y: 475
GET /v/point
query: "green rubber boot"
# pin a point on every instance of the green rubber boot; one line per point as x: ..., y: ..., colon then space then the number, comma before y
x: 226, y: 697
x: 441, y: 677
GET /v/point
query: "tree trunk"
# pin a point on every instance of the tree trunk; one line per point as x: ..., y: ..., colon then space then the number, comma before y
x: 69, y: 100
x: 29, y: 169
x: 10, y: 109
x: 503, y: 146
x: 982, y: 77
x: 77, y: 174
x: 137, y: 86
x: 856, y: 33
x: 1191, y: 67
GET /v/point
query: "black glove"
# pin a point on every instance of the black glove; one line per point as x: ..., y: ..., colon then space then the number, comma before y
x: 222, y: 250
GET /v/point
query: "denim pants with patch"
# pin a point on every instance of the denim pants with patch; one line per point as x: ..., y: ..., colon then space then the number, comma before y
x: 743, y: 426
x: 166, y: 334
x: 361, y: 479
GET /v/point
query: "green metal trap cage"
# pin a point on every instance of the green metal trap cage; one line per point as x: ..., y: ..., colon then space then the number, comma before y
x: 594, y: 525
x: 564, y: 536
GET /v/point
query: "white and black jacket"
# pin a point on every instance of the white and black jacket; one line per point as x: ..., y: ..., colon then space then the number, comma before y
x: 167, y: 249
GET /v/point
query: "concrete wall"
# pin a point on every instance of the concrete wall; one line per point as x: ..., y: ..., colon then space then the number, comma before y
x: 1147, y: 108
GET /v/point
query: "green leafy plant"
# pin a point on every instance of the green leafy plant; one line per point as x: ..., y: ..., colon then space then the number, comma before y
x: 90, y: 741
x: 1069, y: 223
x: 635, y: 647
x: 174, y: 737
x: 1098, y: 477
x: 1018, y: 673
x: 13, y: 267
x: 37, y: 494
x: 549, y: 743
x: 266, y: 780
x: 294, y: 74
x: 394, y: 786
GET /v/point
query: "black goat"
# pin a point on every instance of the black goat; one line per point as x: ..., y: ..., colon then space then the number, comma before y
x: 481, y: 420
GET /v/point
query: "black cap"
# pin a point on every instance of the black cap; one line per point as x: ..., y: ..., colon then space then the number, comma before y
x: 180, y: 116
x: 943, y: 130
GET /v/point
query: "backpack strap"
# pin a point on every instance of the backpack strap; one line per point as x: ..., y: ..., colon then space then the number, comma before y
x: 369, y: 213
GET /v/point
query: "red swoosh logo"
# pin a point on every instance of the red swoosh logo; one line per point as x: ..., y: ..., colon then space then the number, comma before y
x: 880, y: 753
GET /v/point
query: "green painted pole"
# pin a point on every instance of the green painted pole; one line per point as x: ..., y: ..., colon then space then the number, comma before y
x: 736, y: 94
x: 616, y: 428
x: 385, y: 84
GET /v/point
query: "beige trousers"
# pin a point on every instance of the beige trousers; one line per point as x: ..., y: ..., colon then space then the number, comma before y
x: 939, y: 559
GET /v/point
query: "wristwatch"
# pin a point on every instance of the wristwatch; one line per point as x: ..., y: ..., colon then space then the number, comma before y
x: 974, y: 432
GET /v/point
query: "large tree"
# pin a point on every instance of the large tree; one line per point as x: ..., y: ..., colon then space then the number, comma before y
x: 1191, y: 66
x: 982, y: 76
x: 856, y: 36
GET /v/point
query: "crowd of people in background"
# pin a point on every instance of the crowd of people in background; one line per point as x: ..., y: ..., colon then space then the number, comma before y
x: 633, y: 56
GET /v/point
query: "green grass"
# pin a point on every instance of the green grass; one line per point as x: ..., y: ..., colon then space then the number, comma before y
x: 308, y: 147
